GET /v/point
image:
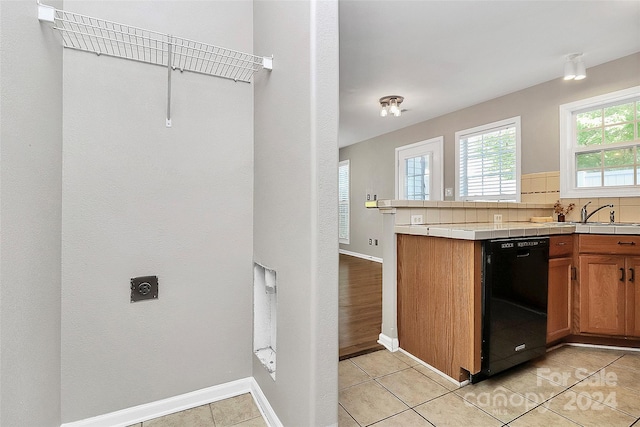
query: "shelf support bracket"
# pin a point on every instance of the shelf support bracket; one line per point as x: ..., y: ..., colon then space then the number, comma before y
x: 46, y: 13
x: 267, y: 62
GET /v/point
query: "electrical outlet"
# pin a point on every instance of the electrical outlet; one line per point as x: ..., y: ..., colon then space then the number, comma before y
x: 376, y: 242
x: 416, y: 219
x: 370, y: 242
x: 143, y: 288
x: 448, y: 192
x: 368, y: 197
x: 497, y: 218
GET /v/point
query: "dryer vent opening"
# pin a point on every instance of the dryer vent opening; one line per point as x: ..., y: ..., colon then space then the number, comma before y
x: 265, y: 307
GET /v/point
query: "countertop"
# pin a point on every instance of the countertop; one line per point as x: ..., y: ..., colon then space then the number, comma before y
x: 484, y: 231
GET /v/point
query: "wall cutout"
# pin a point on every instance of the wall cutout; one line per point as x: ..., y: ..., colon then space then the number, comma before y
x: 265, y: 303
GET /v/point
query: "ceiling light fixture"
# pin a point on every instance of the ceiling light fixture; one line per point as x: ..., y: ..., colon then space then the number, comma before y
x: 391, y: 105
x: 574, y: 68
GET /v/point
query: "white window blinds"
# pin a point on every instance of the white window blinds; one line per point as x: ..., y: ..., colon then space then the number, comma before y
x: 488, y: 161
x: 343, y: 201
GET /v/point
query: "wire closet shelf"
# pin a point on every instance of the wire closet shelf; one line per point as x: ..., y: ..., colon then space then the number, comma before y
x: 104, y: 37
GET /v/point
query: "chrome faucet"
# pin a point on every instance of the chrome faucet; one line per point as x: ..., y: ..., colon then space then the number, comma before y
x: 583, y: 212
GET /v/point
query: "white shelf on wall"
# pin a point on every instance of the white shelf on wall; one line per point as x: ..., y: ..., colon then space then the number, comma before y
x: 109, y: 38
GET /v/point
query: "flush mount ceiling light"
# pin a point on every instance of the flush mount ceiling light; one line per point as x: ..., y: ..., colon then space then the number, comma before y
x: 574, y: 68
x: 390, y: 105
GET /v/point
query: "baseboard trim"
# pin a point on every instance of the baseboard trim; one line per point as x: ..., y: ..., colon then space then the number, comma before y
x: 599, y: 346
x: 359, y: 255
x: 437, y: 371
x: 159, y: 408
x: 267, y: 411
x: 390, y: 344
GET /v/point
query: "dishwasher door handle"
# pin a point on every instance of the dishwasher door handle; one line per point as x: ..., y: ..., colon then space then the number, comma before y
x: 523, y: 254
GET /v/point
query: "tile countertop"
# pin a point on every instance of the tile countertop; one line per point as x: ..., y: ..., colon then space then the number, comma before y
x: 484, y: 231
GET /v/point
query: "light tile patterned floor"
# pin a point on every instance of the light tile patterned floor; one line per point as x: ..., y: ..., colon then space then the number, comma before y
x: 571, y: 386
x: 239, y: 411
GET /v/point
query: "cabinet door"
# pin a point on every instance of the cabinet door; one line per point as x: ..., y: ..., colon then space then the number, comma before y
x: 633, y: 296
x: 559, y: 300
x: 602, y: 294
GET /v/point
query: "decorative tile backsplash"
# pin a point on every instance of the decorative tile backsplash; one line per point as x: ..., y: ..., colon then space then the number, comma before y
x: 544, y: 187
x: 539, y: 191
x: 448, y: 212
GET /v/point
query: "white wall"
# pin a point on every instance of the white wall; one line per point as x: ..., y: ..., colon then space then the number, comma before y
x: 95, y: 190
x: 142, y: 199
x: 30, y: 188
x: 295, y: 202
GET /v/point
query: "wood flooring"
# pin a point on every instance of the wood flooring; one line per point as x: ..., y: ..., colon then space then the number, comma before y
x: 360, y: 300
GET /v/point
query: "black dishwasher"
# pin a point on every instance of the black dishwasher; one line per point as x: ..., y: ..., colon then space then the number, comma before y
x: 514, y: 302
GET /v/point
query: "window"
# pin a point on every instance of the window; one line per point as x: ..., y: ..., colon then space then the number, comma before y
x: 488, y: 162
x: 343, y: 201
x: 419, y: 170
x: 600, y: 145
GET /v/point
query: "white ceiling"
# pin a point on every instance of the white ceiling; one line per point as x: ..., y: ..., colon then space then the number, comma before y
x: 443, y: 56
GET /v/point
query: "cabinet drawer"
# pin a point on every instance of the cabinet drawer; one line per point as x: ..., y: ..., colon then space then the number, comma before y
x: 560, y: 246
x: 606, y: 244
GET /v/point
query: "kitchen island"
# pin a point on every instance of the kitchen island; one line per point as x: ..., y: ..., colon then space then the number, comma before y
x: 432, y: 278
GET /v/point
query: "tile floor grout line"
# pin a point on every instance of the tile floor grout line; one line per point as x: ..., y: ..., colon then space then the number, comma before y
x: 422, y: 416
x: 563, y: 387
x: 538, y: 405
x: 358, y: 366
x: 547, y: 408
x: 348, y: 413
x: 421, y: 403
x: 386, y: 418
x: 476, y: 406
x: 210, y: 410
x: 603, y: 403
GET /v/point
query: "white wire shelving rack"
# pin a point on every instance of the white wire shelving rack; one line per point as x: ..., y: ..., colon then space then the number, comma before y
x: 109, y: 38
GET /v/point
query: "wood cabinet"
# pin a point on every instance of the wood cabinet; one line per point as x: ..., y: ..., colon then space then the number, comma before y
x: 602, y: 295
x: 559, y: 299
x: 609, y: 295
x: 439, y: 302
x: 633, y: 296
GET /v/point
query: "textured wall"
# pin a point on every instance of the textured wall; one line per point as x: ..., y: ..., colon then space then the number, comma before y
x: 372, y: 161
x: 30, y: 195
x: 295, y: 219
x: 142, y: 199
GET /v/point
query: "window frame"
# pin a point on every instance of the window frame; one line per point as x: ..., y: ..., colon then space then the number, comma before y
x: 437, y: 165
x: 347, y: 203
x: 568, y: 148
x: 486, y: 128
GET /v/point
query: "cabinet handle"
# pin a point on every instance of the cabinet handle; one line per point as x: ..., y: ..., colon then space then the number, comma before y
x: 561, y: 243
x: 627, y: 243
x: 622, y: 274
x: 632, y: 275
